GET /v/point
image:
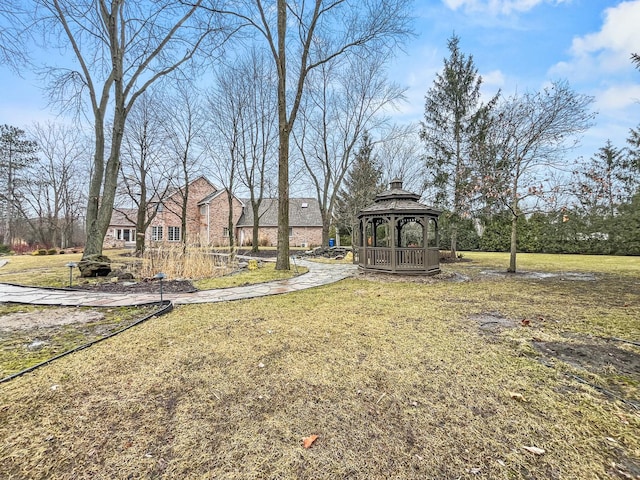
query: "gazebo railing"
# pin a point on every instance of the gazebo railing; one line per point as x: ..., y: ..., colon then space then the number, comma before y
x: 379, y: 257
x: 406, y: 259
x: 409, y: 258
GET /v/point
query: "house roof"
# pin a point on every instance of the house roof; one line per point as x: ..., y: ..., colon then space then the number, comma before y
x: 119, y: 217
x: 303, y: 212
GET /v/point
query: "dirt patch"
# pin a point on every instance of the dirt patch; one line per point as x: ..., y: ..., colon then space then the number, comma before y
x: 48, y: 318
x: 603, y: 357
x: 151, y: 286
x: 524, y: 275
x: 428, y: 279
x: 492, y: 321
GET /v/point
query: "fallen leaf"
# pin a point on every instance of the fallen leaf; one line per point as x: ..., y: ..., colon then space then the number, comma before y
x: 534, y: 450
x: 525, y: 322
x: 308, y: 441
x: 475, y: 471
x: 516, y: 396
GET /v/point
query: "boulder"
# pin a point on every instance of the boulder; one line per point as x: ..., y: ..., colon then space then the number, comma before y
x: 121, y: 274
x: 94, y: 266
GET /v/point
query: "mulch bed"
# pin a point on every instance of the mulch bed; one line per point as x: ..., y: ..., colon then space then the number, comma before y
x: 148, y: 286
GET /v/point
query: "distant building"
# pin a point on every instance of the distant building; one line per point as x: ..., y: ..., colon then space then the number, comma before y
x: 207, y: 215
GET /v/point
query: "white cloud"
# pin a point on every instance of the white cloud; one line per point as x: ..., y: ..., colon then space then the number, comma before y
x: 497, y: 7
x: 494, y: 78
x: 618, y: 97
x: 608, y: 50
x: 616, y: 40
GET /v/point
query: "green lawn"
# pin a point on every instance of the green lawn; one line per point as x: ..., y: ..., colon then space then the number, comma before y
x: 444, y: 379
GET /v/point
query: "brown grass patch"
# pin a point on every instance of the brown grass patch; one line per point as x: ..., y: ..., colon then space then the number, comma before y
x: 396, y: 381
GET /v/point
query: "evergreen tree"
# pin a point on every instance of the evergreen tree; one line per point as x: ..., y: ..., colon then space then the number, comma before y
x: 16, y: 153
x: 452, y: 119
x: 632, y: 160
x: 362, y: 183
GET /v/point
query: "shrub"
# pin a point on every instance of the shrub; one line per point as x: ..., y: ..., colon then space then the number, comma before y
x: 4, y: 249
x: 40, y: 251
x: 52, y: 251
x: 20, y: 248
x: 264, y: 242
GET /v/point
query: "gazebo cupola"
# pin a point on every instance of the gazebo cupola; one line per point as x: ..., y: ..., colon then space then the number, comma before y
x: 398, y: 234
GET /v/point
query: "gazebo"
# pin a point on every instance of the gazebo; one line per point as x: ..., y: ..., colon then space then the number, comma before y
x: 398, y: 234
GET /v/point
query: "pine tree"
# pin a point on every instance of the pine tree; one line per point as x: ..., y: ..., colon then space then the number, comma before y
x: 451, y: 122
x: 361, y: 185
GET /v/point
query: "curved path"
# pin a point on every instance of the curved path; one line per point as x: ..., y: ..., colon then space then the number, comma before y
x: 318, y: 274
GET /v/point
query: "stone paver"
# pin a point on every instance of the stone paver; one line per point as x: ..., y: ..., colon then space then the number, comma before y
x: 318, y: 274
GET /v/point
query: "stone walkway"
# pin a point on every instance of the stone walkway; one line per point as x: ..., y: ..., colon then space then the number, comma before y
x: 318, y: 274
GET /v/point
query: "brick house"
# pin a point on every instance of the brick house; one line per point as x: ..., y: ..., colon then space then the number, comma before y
x: 208, y: 223
x: 305, y: 223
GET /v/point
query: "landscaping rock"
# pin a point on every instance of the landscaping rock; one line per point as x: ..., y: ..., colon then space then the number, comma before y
x: 121, y: 274
x: 94, y: 266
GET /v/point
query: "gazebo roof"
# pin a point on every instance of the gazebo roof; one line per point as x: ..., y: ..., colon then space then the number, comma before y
x: 397, y: 200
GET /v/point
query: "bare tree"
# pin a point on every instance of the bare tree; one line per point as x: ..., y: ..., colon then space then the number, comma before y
x: 293, y: 31
x: 347, y: 98
x: 227, y: 110
x: 13, y: 35
x: 146, y: 170
x: 121, y: 47
x: 529, y: 139
x: 17, y: 152
x: 184, y: 126
x: 242, y: 108
x: 53, y: 195
x: 401, y: 154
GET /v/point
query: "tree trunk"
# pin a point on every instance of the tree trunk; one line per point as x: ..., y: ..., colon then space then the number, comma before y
x: 514, y: 244
x: 141, y: 223
x: 454, y: 240
x: 325, y: 231
x: 282, y: 261
x: 256, y: 226
x: 230, y: 225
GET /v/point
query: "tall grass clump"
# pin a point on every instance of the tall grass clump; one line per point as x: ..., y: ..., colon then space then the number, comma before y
x: 193, y: 262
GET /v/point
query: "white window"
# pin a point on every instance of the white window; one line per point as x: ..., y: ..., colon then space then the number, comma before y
x: 125, y: 234
x: 225, y: 232
x: 156, y: 233
x: 173, y: 234
x: 203, y: 210
x: 290, y: 232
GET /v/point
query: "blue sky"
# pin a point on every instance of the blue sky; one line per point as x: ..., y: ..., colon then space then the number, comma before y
x: 522, y: 45
x: 517, y: 45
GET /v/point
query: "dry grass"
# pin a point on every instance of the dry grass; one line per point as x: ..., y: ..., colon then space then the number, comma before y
x: 195, y: 263
x: 265, y: 273
x: 24, y: 347
x: 51, y: 270
x: 395, y: 379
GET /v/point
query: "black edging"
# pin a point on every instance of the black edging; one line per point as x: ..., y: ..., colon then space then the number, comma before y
x: 166, y: 307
